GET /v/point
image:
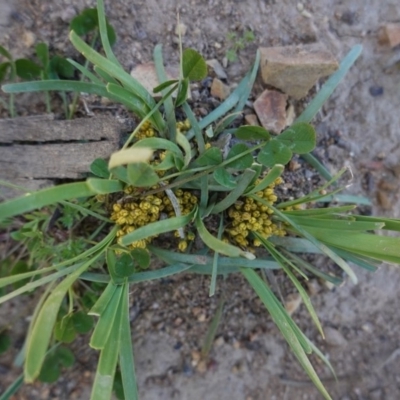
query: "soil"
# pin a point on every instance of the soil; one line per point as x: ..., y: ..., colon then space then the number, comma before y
x: 358, y: 127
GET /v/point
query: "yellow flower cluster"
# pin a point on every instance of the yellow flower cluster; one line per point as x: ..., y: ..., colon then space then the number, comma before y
x: 146, y: 131
x: 183, y: 126
x: 248, y: 215
x: 134, y: 213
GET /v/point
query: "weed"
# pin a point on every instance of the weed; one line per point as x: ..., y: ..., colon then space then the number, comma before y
x: 237, y: 42
x: 49, y: 68
x: 170, y: 183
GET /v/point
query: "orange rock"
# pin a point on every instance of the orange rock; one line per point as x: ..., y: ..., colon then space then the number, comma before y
x: 219, y: 89
x: 390, y: 34
x: 271, y: 110
x: 251, y: 119
x: 296, y: 69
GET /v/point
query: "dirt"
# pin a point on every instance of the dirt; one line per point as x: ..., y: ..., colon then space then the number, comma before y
x: 358, y: 127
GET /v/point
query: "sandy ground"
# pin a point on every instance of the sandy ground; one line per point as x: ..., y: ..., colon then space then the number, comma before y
x: 250, y: 360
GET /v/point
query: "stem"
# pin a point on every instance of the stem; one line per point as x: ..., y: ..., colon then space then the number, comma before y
x: 77, y: 94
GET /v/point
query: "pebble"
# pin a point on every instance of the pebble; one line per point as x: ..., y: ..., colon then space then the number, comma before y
x: 217, y: 68
x: 333, y: 337
x: 251, y: 119
x: 28, y: 38
x: 292, y: 303
x: 270, y: 107
x: 376, y: 91
x: 219, y: 89
x: 390, y: 34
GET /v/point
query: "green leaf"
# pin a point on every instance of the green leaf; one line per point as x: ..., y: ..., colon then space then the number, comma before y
x: 61, y: 67
x: 141, y: 257
x: 103, y: 381
x: 274, y: 152
x: 183, y: 92
x: 102, y: 302
x: 120, y: 173
x: 242, y: 184
x: 27, y: 69
x: 50, y: 369
x: 211, y: 156
x: 85, y: 22
x: 193, y: 65
x: 5, y: 341
x: 218, y: 245
x: 224, y: 178
x: 243, y: 162
x: 64, y: 330
x: 124, y: 266
x: 39, y: 338
x: 42, y: 52
x: 158, y: 143
x: 300, y: 138
x: 185, y: 144
x: 4, y: 69
x: 281, y: 319
x: 82, y: 322
x: 156, y: 228
x: 20, y: 267
x: 164, y: 85
x: 104, y: 325
x: 250, y: 132
x: 275, y: 172
x: 5, y: 53
x: 99, y: 167
x: 142, y: 175
x: 65, y: 356
x: 126, y: 360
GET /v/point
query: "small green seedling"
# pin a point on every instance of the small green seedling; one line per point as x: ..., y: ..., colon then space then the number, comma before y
x: 238, y: 42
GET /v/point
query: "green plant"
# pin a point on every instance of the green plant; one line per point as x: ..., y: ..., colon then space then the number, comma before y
x: 238, y: 42
x: 53, y: 67
x: 170, y: 178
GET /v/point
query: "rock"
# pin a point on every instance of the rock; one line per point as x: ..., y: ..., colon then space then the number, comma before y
x: 28, y: 38
x: 293, y: 303
x: 217, y: 68
x: 271, y: 110
x: 296, y: 69
x: 219, y: 89
x: 251, y: 119
x: 390, y: 34
x: 333, y: 337
x: 147, y: 76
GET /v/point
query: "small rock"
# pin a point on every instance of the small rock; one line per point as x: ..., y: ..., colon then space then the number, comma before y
x: 217, y: 68
x: 251, y: 119
x: 293, y: 303
x: 28, y: 38
x: 375, y: 90
x: 271, y: 110
x: 147, y: 76
x: 219, y: 89
x: 196, y: 357
x: 296, y: 69
x: 333, y: 337
x: 202, y: 317
x: 68, y: 13
x: 390, y: 34
x: 225, y: 62
x: 219, y: 341
x: 202, y: 366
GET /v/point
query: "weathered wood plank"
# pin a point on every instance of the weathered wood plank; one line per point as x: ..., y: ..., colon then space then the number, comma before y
x: 35, y: 151
x: 46, y: 129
